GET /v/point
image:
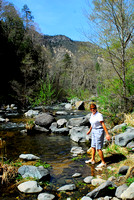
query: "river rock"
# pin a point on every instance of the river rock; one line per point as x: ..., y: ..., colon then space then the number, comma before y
x: 61, y: 123
x: 86, y: 198
x: 88, y: 179
x: 68, y: 187
x: 68, y: 106
x: 77, y: 150
x: 80, y: 121
x: 29, y: 157
x: 44, y: 120
x: 128, y: 193
x: 103, y: 190
x: 130, y: 144
x: 78, y: 134
x: 31, y: 113
x: 63, y: 131
x: 40, y: 129
x: 76, y: 175
x: 97, y: 181
x: 29, y: 187
x: 124, y: 138
x: 61, y: 113
x: 35, y: 172
x: 120, y: 190
x: 118, y: 127
x: 45, y: 196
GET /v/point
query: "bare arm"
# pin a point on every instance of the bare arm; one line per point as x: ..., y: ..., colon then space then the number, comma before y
x: 89, y: 130
x: 105, y: 129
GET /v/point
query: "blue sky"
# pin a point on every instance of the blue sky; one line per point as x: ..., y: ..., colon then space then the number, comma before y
x: 54, y: 17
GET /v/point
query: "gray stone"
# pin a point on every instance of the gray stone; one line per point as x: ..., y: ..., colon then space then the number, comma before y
x: 68, y: 106
x: 76, y: 175
x: 61, y: 113
x: 29, y: 157
x: 130, y: 144
x: 80, y: 121
x: 124, y: 138
x: 88, y: 179
x: 31, y: 113
x: 103, y: 190
x: 120, y: 190
x: 29, y: 187
x: 97, y: 181
x: 45, y: 196
x: 86, y: 198
x: 68, y: 187
x: 64, y: 131
x: 44, y: 120
x: 40, y: 129
x: 77, y: 150
x: 32, y: 171
x: 118, y: 127
x: 78, y: 134
x: 128, y: 193
x: 61, y: 123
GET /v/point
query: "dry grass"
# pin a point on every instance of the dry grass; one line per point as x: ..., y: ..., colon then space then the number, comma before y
x: 129, y: 119
x: 9, y: 173
x: 115, y: 149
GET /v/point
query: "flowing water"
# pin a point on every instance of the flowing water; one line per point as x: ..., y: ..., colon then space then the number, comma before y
x: 52, y: 149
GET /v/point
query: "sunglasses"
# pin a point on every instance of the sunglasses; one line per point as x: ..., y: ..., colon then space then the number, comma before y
x: 93, y: 108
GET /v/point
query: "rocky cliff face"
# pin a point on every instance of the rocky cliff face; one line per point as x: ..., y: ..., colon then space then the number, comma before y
x: 63, y: 44
x: 71, y: 63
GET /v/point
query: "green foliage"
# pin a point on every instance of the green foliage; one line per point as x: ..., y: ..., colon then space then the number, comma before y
x: 97, y: 67
x: 16, y: 164
x: 81, y: 94
x: 46, y: 94
x: 19, y: 177
x: 130, y: 180
x: 41, y: 163
x: 111, y: 188
x: 115, y: 149
x: 124, y: 128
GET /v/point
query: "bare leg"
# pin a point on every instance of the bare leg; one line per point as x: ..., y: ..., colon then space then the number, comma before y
x: 93, y: 153
x: 101, y: 155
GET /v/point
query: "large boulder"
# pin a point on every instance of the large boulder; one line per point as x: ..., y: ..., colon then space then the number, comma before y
x: 120, y: 190
x: 124, y: 138
x: 78, y: 134
x: 128, y: 193
x: 34, y: 172
x: 103, y: 190
x: 44, y: 119
x: 80, y: 121
x: 30, y: 187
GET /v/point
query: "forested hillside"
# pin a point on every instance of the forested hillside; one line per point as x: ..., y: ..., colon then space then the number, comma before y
x: 40, y: 69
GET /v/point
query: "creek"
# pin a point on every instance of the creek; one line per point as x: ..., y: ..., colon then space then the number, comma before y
x: 52, y: 149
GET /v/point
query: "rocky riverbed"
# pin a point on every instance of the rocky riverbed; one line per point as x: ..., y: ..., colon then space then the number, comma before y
x: 58, y: 141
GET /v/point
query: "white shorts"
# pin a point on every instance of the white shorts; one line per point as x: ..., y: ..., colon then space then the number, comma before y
x: 97, y: 138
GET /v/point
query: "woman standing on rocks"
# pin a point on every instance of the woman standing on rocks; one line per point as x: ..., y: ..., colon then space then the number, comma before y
x: 98, y: 128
